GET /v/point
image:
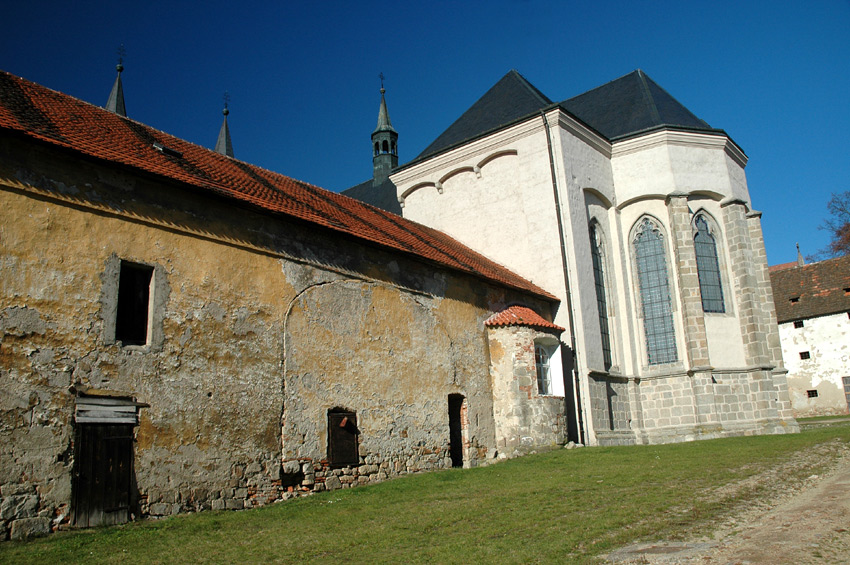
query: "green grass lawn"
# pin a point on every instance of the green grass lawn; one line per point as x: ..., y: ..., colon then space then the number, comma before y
x: 564, y: 505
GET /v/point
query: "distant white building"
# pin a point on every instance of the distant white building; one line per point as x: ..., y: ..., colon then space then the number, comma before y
x: 813, y: 311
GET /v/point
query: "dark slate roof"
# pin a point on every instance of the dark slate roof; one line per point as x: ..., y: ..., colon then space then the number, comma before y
x: 511, y: 98
x: 45, y: 116
x: 820, y: 289
x: 630, y: 104
x: 383, y: 196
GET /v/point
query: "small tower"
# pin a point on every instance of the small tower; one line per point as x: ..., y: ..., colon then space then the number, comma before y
x: 115, y: 104
x: 223, y: 144
x: 384, y: 143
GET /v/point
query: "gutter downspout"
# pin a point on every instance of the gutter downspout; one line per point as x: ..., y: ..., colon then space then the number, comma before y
x: 566, y: 279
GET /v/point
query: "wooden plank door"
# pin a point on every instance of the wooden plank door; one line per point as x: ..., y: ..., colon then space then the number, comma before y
x: 103, y: 467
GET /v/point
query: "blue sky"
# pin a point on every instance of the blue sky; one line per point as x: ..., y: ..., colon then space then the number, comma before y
x: 303, y: 76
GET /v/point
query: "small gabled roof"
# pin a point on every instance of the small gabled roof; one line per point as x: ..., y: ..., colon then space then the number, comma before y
x: 520, y: 316
x: 88, y: 132
x: 631, y: 104
x: 511, y: 98
x: 810, y: 291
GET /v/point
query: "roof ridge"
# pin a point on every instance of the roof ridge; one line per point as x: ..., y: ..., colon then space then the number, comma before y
x: 648, y: 98
x: 91, y: 132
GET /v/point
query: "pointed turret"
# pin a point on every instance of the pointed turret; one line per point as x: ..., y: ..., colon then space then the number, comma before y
x: 384, y: 143
x: 800, y: 260
x: 223, y: 145
x: 115, y: 104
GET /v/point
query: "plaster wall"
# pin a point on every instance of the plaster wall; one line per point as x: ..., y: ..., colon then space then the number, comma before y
x: 827, y: 339
x: 242, y: 303
x: 494, y: 197
x: 665, y: 162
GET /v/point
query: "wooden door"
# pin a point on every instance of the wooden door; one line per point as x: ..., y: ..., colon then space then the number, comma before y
x: 103, y: 467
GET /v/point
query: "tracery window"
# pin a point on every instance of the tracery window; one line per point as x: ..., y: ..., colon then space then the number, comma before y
x: 654, y: 283
x: 601, y: 299
x: 708, y: 267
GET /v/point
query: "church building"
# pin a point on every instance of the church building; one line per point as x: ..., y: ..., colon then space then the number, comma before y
x: 635, y: 213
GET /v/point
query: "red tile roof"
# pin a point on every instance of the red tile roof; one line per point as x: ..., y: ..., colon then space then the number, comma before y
x: 63, y: 121
x: 820, y: 289
x: 783, y: 266
x: 520, y: 316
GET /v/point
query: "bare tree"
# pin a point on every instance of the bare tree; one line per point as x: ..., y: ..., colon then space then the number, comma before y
x: 838, y: 225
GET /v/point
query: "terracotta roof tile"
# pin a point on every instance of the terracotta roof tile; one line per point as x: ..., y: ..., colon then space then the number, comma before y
x: 818, y: 289
x: 61, y: 120
x: 520, y: 316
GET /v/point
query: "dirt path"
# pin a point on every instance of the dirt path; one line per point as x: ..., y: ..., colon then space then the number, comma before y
x: 810, y: 524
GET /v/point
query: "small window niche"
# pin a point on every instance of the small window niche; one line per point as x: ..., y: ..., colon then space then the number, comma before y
x: 805, y: 355
x: 798, y: 323
x: 547, y: 361
x: 133, y: 312
x: 342, y: 438
x: 812, y: 393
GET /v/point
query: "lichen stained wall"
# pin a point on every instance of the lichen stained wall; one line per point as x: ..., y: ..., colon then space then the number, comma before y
x: 258, y: 325
x: 525, y: 419
x: 210, y: 435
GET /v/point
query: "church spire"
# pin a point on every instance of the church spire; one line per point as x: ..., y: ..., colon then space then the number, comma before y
x: 384, y: 142
x: 223, y: 145
x: 115, y: 104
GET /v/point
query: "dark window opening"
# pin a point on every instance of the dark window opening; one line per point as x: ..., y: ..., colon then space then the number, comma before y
x: 847, y: 291
x: 456, y: 429
x: 342, y: 438
x: 812, y: 393
x: 798, y: 324
x: 804, y: 355
x: 601, y: 301
x: 385, y: 147
x: 134, y: 291
x: 376, y: 148
x: 794, y: 300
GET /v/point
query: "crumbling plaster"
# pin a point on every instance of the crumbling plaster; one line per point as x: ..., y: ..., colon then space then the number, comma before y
x: 258, y: 323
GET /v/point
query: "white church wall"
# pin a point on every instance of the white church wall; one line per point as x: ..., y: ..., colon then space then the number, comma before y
x: 494, y: 196
x: 827, y: 341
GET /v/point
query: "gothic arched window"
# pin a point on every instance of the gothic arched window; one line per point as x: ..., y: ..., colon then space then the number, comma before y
x: 601, y: 299
x: 708, y: 267
x: 377, y: 148
x: 385, y: 147
x: 651, y: 263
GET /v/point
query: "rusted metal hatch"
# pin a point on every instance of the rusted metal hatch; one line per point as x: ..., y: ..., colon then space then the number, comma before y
x: 103, y: 479
x: 342, y: 438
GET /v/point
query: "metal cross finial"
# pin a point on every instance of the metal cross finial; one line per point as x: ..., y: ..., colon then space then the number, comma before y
x: 121, y: 54
x: 226, y: 102
x: 381, y: 76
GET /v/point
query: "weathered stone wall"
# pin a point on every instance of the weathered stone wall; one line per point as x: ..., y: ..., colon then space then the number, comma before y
x: 242, y: 302
x: 525, y: 420
x: 611, y: 409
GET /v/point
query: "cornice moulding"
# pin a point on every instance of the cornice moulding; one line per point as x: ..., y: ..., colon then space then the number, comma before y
x: 681, y: 138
